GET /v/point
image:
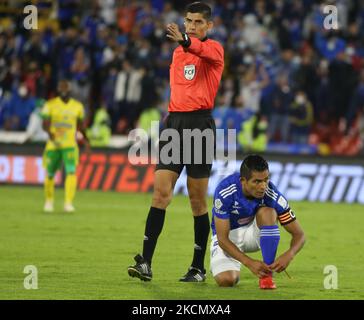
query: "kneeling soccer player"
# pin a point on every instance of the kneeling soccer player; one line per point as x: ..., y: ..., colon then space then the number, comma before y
x: 245, y: 213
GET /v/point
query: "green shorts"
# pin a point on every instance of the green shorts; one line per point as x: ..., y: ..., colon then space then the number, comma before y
x: 52, y: 160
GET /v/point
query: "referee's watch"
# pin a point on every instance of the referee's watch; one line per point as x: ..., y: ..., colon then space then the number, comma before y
x: 186, y: 42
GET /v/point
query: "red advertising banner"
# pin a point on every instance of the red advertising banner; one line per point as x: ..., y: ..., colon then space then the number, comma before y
x: 96, y: 172
x: 23, y: 170
x: 298, y: 179
x: 114, y: 172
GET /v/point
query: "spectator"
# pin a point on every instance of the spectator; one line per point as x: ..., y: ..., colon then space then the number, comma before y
x: 252, y: 32
x: 323, y: 97
x: 288, y: 65
x: 169, y: 14
x: 281, y: 100
x: 35, y: 50
x: 64, y: 51
x: 128, y: 92
x: 100, y: 132
x: 67, y: 12
x: 34, y: 131
x: 341, y: 91
x: 253, y: 135
x: 145, y: 122
x: 93, y: 22
x: 35, y: 80
x: 108, y: 90
x: 357, y: 103
x: 329, y: 47
x: 306, y: 76
x: 108, y: 12
x: 126, y: 16
x: 18, y: 110
x: 301, y: 117
x: 254, y: 81
x: 80, y: 77
x: 13, y: 75
x: 3, y: 103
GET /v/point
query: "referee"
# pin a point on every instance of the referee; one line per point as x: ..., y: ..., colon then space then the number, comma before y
x: 195, y: 74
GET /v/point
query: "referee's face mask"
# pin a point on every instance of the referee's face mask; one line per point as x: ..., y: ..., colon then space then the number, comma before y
x: 196, y: 25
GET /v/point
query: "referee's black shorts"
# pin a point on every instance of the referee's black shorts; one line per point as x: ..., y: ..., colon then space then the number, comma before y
x: 196, y: 147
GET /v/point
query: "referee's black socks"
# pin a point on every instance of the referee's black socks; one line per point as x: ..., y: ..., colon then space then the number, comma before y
x: 202, y: 230
x: 153, y: 228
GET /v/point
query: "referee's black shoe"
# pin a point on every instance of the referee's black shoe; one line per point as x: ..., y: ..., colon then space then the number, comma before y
x: 141, y: 269
x: 194, y: 275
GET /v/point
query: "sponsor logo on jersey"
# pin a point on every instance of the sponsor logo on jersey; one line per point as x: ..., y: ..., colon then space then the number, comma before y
x: 282, y: 202
x: 189, y: 71
x: 218, y: 203
x: 236, y: 205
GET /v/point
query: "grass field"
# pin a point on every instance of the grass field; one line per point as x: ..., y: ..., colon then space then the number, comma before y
x: 84, y: 255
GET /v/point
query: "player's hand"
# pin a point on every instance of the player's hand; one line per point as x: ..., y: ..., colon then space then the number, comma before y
x: 282, y: 262
x: 52, y: 137
x: 259, y: 268
x: 87, y: 147
x: 173, y: 32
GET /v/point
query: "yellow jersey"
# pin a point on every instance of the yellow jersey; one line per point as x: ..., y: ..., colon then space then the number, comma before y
x: 63, y: 121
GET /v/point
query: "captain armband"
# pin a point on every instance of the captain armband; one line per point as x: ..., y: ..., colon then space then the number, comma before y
x: 287, y: 217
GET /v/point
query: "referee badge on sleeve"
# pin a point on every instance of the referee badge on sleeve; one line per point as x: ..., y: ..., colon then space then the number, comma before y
x: 190, y: 71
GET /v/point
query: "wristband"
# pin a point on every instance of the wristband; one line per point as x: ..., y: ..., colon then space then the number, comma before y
x: 186, y: 42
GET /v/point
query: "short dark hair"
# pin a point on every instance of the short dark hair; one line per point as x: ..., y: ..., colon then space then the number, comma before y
x: 251, y: 163
x: 199, y: 7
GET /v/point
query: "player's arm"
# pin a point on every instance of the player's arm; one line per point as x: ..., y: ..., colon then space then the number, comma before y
x: 297, y: 242
x: 46, y: 125
x: 82, y: 128
x: 205, y: 50
x: 46, y: 120
x: 257, y: 267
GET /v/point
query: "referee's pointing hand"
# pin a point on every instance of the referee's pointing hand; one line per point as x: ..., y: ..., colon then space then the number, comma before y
x: 173, y: 32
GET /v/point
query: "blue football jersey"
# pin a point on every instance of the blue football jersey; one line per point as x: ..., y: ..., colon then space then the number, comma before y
x: 230, y: 203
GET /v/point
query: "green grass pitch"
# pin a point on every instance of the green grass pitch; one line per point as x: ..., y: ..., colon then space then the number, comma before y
x: 84, y: 255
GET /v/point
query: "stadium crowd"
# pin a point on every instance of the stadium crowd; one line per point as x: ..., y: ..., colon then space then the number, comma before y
x: 287, y: 79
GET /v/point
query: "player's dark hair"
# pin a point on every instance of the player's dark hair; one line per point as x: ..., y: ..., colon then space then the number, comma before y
x: 252, y: 163
x: 199, y: 7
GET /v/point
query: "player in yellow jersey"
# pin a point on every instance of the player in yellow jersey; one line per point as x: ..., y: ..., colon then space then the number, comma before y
x: 62, y: 118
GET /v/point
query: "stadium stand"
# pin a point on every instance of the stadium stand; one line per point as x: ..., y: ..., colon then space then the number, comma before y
x: 307, y: 81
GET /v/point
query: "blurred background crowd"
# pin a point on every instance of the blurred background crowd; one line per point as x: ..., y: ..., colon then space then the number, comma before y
x: 289, y: 84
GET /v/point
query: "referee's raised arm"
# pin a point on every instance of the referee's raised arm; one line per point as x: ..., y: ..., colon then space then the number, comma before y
x: 210, y: 50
